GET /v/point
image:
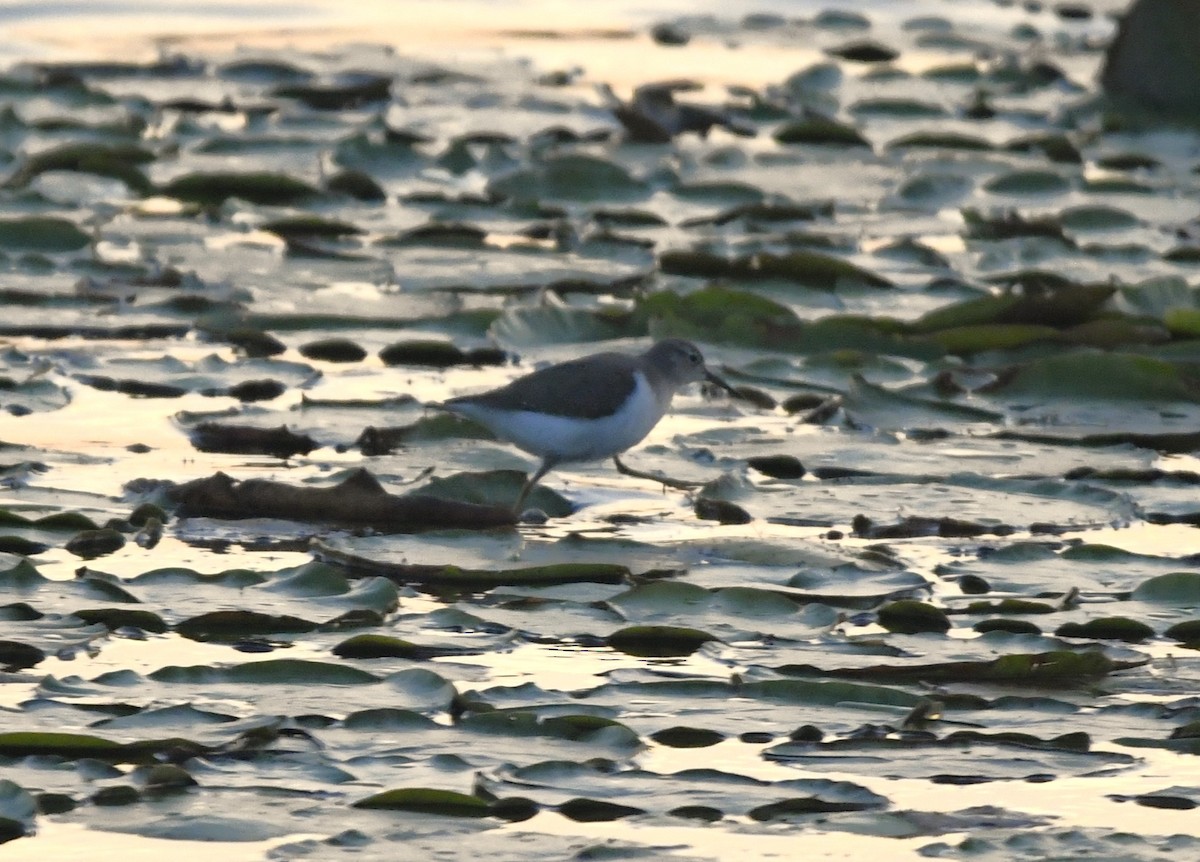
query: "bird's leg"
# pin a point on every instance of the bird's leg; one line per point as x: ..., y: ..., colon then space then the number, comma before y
x: 546, y: 466
x: 681, y: 484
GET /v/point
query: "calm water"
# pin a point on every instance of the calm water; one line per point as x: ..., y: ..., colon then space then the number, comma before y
x: 99, y: 422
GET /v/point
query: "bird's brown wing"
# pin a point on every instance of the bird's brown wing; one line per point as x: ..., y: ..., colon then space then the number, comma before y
x: 579, y: 388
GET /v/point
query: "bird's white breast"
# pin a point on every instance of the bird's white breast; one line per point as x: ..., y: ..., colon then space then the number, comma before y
x: 567, y: 438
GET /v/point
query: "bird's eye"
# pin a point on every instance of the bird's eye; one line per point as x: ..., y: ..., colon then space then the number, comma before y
x: 696, y: 359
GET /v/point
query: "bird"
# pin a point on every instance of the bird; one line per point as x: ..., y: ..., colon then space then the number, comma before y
x: 587, y: 409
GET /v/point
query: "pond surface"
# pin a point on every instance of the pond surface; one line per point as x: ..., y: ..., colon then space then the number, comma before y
x: 933, y: 594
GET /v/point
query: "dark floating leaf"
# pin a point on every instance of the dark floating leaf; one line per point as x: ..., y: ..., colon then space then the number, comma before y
x: 234, y: 625
x: 21, y: 546
x: 351, y: 90
x: 748, y: 394
x: 1061, y: 668
x: 1185, y: 632
x: 1183, y: 254
x: 427, y: 800
x: 55, y: 803
x: 940, y: 140
x: 915, y: 525
x: 163, y: 778
x: 139, y: 517
x: 1076, y: 741
x: 822, y: 131
x: 703, y: 813
x: 777, y: 466
x: 357, y: 500
x: 1011, y: 606
x: 257, y: 187
x: 309, y: 226
x: 15, y: 655
x: 1179, y: 442
x: 1165, y: 801
x: 41, y: 234
x: 666, y: 33
x: 137, y: 388
x: 1055, y: 146
x: 722, y: 511
x: 434, y: 354
x: 369, y: 646
x: 687, y: 737
x: 887, y: 107
x: 514, y: 809
x: 439, y: 235
x: 65, y: 745
x: 812, y: 268
x: 249, y: 440
x: 1058, y: 305
x: 973, y: 585
x: 116, y: 795
x: 255, y: 343
x: 909, y: 616
x: 333, y: 350
x: 1096, y: 217
x: 496, y: 488
x: 117, y: 618
x: 1016, y: 627
x: 864, y: 52
x: 574, y: 177
x: 1181, y: 589
x: 658, y: 640
x: 802, y: 806
x: 356, y: 184
x: 455, y: 578
x: 1007, y: 225
x: 252, y: 390
x: 118, y: 161
x: 95, y: 543
x: 132, y: 332
x: 1039, y: 182
x: 1109, y: 628
x: 596, y: 810
x: 1148, y: 67
x: 263, y: 71
x: 755, y: 212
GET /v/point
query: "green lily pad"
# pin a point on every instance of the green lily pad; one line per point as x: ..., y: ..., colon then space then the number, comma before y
x: 658, y: 640
x: 215, y: 188
x: 48, y: 234
x: 572, y: 176
x: 811, y: 268
x: 426, y: 800
x: 498, y: 488
x: 119, y: 161
x: 1109, y: 628
x: 1028, y: 183
x: 818, y: 130
x: 1181, y: 589
x: 909, y: 617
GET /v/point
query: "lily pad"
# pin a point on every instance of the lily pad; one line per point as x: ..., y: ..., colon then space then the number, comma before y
x: 49, y: 234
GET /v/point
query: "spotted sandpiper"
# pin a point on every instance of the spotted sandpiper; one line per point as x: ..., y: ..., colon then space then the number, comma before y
x: 587, y: 409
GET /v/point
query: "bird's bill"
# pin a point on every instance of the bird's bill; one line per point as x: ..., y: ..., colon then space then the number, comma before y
x: 717, y: 381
